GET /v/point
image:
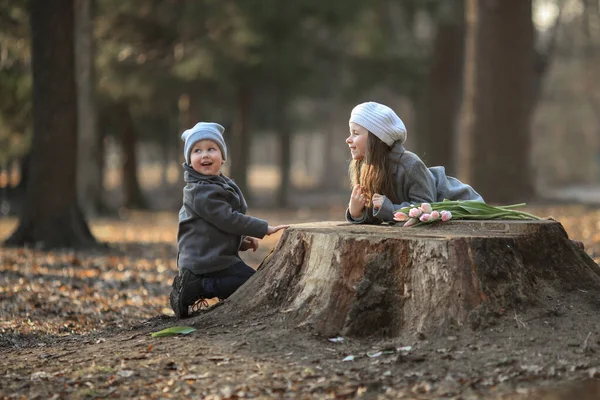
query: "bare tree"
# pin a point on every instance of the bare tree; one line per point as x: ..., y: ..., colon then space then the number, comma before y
x: 134, y: 197
x: 465, y: 123
x: 89, y: 173
x: 499, y: 159
x: 240, y: 137
x: 440, y: 101
x: 50, y: 216
x: 591, y: 30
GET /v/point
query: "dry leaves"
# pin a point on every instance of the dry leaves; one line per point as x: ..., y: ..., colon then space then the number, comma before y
x: 84, y: 296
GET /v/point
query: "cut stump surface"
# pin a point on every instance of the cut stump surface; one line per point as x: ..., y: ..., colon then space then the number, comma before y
x: 364, y: 280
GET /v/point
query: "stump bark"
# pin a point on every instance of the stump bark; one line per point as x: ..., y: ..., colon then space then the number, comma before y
x: 362, y: 280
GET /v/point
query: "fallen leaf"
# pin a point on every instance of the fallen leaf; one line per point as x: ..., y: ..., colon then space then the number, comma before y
x: 195, y: 377
x: 126, y: 373
x: 174, y: 330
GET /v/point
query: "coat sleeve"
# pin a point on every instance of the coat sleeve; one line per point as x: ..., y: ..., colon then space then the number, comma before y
x: 419, y: 188
x: 210, y: 203
x: 366, y: 217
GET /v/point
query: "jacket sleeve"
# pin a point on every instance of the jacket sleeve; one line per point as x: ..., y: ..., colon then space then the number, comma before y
x: 366, y: 217
x: 212, y: 206
x: 419, y: 188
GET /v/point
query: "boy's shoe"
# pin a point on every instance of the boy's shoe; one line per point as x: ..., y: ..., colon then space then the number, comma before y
x: 174, y: 296
x: 187, y: 289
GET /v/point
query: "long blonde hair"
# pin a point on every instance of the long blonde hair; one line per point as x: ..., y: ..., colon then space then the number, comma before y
x: 373, y: 172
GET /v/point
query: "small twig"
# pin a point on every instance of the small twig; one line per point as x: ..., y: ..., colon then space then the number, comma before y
x: 586, y: 341
x: 519, y: 321
x: 104, y: 395
x: 54, y: 356
x: 131, y: 337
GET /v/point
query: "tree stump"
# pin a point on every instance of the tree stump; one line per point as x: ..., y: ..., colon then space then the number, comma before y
x: 359, y: 280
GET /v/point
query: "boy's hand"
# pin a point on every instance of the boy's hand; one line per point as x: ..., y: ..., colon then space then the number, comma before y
x: 272, y: 229
x: 378, y: 200
x: 357, y: 202
x: 249, y: 243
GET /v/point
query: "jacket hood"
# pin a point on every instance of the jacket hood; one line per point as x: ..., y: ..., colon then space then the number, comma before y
x: 396, y: 152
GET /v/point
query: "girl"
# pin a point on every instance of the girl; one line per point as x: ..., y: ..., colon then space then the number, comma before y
x: 384, y: 175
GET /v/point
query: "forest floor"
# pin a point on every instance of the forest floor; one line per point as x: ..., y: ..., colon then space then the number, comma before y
x: 78, y: 325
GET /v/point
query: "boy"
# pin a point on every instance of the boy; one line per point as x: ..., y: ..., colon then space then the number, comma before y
x: 213, y: 226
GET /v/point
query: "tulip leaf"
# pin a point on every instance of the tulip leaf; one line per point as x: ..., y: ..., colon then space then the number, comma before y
x: 469, y: 209
x: 174, y: 330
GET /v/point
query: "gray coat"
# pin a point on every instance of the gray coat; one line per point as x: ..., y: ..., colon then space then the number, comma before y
x: 414, y: 183
x: 212, y: 222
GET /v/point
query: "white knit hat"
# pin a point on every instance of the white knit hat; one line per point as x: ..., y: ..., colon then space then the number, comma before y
x: 202, y: 131
x: 380, y: 120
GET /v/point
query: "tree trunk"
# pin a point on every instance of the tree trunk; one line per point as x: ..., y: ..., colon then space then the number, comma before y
x: 89, y: 185
x: 543, y: 58
x: 439, y: 104
x: 591, y: 24
x: 24, y: 165
x: 166, y: 155
x: 240, y: 143
x: 337, y: 278
x: 101, y: 205
x: 503, y: 102
x: 329, y: 181
x: 464, y: 141
x: 285, y: 154
x: 335, y: 154
x: 133, y: 194
x: 51, y: 217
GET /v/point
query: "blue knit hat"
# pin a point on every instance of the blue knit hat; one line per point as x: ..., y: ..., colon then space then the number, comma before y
x: 380, y: 120
x: 203, y: 131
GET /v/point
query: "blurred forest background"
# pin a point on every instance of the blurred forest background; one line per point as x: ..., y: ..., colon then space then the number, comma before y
x: 505, y: 94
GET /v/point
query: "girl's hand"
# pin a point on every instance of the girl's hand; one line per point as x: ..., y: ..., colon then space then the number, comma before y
x: 272, y: 229
x: 357, y: 202
x: 378, y: 200
x: 249, y: 243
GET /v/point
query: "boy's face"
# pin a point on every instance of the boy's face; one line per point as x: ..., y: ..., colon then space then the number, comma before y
x: 206, y: 158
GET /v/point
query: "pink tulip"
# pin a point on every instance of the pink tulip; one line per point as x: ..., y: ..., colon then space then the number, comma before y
x: 414, y: 213
x: 435, y: 215
x: 411, y: 222
x: 400, y: 217
x: 446, y: 215
x: 426, y: 208
x: 425, y: 218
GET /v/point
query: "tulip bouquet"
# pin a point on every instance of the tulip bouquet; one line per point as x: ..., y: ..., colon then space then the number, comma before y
x: 446, y: 210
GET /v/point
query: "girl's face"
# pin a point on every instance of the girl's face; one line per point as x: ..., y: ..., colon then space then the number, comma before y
x: 206, y: 158
x: 357, y: 141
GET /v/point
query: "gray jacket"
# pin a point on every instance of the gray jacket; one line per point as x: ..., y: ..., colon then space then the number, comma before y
x: 414, y: 183
x: 212, y: 222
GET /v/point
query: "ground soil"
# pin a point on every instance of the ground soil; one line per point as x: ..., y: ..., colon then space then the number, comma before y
x: 78, y: 325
